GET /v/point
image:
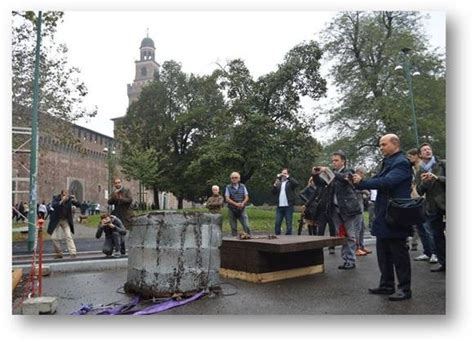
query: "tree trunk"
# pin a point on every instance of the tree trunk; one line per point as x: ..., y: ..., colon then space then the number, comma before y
x: 180, y: 202
x: 156, y: 198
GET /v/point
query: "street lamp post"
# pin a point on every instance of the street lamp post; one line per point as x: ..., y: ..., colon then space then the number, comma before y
x: 407, y: 69
x: 110, y: 154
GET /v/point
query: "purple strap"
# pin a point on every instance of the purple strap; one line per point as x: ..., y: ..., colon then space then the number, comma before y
x: 169, y: 304
x: 128, y: 308
x: 121, y: 309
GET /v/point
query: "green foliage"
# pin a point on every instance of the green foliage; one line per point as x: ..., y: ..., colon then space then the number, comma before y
x: 374, y: 98
x: 205, y: 127
x: 61, y: 91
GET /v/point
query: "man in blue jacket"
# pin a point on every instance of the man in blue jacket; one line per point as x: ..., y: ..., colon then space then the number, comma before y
x: 392, y: 181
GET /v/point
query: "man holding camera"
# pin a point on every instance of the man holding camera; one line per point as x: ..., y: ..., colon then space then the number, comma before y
x: 344, y: 208
x: 122, y: 199
x: 237, y: 196
x: 114, y: 230
x: 431, y: 182
x: 284, y: 187
x: 392, y: 181
x: 62, y: 216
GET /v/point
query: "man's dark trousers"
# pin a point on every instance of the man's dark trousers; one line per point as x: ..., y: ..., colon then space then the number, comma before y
x: 390, y: 253
x: 113, y: 241
x: 287, y: 213
x: 323, y: 219
x: 437, y: 225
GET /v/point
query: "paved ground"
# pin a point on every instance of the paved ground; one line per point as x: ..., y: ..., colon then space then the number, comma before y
x: 333, y: 292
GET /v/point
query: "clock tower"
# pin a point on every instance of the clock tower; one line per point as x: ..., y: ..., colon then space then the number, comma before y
x: 145, y: 69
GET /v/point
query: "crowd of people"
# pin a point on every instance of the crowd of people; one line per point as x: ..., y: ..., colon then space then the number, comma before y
x: 339, y: 204
x: 333, y: 196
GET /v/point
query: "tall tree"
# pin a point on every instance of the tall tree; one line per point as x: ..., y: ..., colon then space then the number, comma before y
x: 268, y: 128
x: 365, y: 48
x: 61, y: 91
x: 174, y: 115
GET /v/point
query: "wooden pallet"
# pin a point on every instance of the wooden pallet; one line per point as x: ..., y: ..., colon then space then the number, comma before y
x: 265, y: 260
x: 16, y: 277
x: 271, y: 276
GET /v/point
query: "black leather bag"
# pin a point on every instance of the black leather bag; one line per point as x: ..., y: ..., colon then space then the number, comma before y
x: 307, y: 192
x: 404, y: 213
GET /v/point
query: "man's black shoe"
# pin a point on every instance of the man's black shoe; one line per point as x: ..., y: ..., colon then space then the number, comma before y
x: 440, y: 268
x: 382, y: 290
x: 400, y: 295
x: 347, y: 267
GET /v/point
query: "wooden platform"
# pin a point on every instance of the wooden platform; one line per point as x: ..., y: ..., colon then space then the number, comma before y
x: 264, y: 260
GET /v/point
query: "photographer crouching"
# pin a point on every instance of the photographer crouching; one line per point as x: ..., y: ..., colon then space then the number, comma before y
x: 114, y: 233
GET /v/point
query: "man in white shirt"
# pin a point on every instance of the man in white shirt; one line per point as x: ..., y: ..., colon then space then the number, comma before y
x: 284, y: 188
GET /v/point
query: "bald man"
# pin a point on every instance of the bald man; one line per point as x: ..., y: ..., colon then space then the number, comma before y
x: 393, y: 181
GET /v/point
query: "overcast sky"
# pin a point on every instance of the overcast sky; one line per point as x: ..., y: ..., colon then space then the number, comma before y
x: 104, y: 45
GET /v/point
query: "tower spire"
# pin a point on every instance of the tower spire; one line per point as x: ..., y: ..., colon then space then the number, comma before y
x: 147, y: 31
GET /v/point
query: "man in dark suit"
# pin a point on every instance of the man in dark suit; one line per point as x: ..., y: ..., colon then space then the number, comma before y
x: 392, y: 181
x: 284, y: 190
x: 342, y: 205
x: 61, y: 216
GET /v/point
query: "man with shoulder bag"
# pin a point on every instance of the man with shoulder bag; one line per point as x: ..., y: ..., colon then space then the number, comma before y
x: 393, y: 181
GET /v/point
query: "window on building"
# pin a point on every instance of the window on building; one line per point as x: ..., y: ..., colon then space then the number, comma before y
x: 143, y: 71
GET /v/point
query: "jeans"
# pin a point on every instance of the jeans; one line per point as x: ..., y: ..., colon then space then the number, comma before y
x: 348, y: 249
x: 394, y: 253
x: 287, y: 213
x: 244, y: 220
x: 111, y: 243
x: 437, y: 227
x: 426, y: 238
x: 360, y: 232
x: 371, y: 210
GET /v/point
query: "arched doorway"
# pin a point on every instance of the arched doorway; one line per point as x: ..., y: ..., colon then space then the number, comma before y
x: 75, y: 188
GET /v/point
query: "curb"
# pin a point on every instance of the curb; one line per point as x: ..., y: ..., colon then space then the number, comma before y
x: 84, y: 266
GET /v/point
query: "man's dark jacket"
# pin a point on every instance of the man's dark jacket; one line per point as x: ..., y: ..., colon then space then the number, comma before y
x: 347, y: 201
x: 119, y: 228
x: 392, y: 181
x: 122, y: 201
x: 58, y: 209
x: 434, y: 191
x: 290, y: 187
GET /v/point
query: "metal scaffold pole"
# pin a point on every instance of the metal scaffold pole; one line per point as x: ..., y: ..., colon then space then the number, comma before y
x: 34, y: 143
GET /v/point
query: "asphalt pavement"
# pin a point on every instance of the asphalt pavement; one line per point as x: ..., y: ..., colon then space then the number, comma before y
x: 334, y: 292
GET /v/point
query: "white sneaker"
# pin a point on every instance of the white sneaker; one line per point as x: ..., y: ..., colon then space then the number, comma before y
x: 422, y: 257
x: 433, y: 259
